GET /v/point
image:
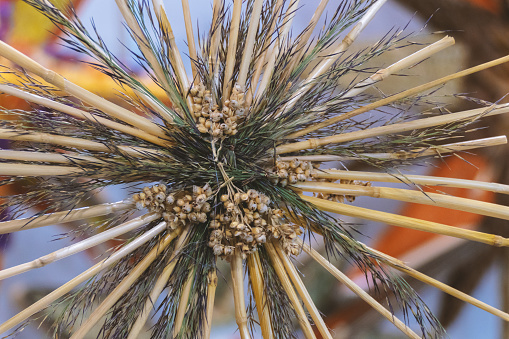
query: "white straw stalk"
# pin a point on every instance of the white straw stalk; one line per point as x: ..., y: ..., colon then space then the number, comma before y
x: 25, y: 170
x: 175, y: 56
x: 261, y: 61
x: 301, y: 289
x: 406, y: 62
x: 211, y: 294
x: 257, y: 284
x: 282, y: 37
x: 402, y: 267
x: 437, y: 151
x: 328, y: 61
x: 426, y: 198
x: 400, y: 95
x: 48, y: 157
x: 410, y: 179
x: 232, y: 48
x: 395, y: 128
x: 250, y: 41
x: 122, y: 287
x: 46, y: 138
x: 407, y: 222
x: 358, y: 290
x: 190, y: 37
x: 309, y: 31
x: 82, y: 114
x: 290, y: 291
x: 238, y: 295
x: 65, y: 85
x: 158, y: 288
x: 64, y: 216
x: 79, y: 246
x: 69, y: 286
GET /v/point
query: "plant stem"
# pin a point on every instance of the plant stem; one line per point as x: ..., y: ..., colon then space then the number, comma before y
x: 190, y: 36
x: 303, y: 292
x: 158, y: 287
x: 69, y: 286
x: 401, y: 266
x: 48, y: 157
x: 232, y: 48
x: 238, y: 294
x: 410, y: 179
x: 328, y: 61
x: 94, y: 100
x: 183, y: 304
x: 287, y: 285
x: 418, y: 197
x: 398, y: 96
x: 257, y: 284
x: 271, y: 62
x: 122, y: 288
x: 211, y: 293
x: 407, y: 222
x: 395, y: 128
x: 46, y: 138
x: 82, y: 114
x: 358, y: 290
x: 249, y: 44
x: 79, y: 246
x: 63, y: 216
x: 26, y: 170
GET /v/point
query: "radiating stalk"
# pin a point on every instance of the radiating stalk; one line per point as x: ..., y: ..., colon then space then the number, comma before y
x: 82, y: 114
x: 232, y: 48
x: 121, y: 288
x: 65, y: 158
x: 407, y: 222
x: 332, y: 57
x: 47, y: 138
x: 359, y: 291
x: 303, y: 292
x: 158, y: 287
x: 400, y: 95
x: 88, y: 274
x: 249, y: 44
x: 401, y: 266
x: 394, y: 128
x: 257, y: 284
x: 238, y: 294
x: 412, y: 196
x: 64, y: 216
x: 211, y: 293
x: 93, y: 100
x: 290, y: 291
x: 80, y: 246
x: 410, y: 179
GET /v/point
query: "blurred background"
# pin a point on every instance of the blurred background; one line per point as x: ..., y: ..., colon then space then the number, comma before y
x: 481, y: 29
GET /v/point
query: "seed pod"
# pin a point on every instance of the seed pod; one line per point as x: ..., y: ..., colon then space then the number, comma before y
x: 206, y: 207
x: 202, y: 217
x: 160, y: 197
x: 200, y: 199
x: 218, y: 249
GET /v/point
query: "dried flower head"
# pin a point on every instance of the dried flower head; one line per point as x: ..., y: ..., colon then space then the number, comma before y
x: 220, y: 174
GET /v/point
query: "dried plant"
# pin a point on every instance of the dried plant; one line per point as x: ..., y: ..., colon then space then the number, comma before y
x: 221, y: 173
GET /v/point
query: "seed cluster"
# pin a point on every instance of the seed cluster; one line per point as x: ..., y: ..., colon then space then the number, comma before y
x: 291, y: 172
x: 178, y: 209
x: 247, y: 222
x: 243, y: 220
x: 217, y: 122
